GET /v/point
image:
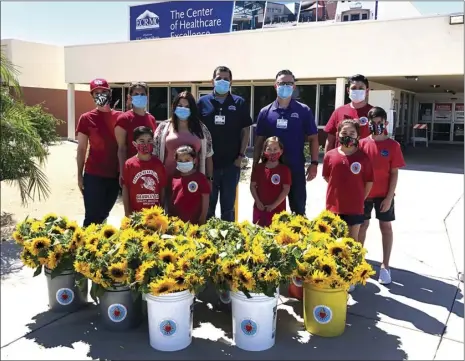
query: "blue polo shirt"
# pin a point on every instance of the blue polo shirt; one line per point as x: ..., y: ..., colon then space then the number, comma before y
x: 291, y: 125
x: 226, y: 132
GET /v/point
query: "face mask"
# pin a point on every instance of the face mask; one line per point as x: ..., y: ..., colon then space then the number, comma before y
x: 145, y: 148
x: 185, y: 167
x: 182, y: 113
x: 272, y: 157
x: 357, y: 96
x: 284, y: 91
x: 348, y: 141
x: 139, y: 101
x: 222, y: 86
x: 376, y: 128
x: 102, y: 99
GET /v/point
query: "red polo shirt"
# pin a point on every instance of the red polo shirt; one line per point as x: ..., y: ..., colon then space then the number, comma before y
x: 130, y: 121
x: 103, y: 149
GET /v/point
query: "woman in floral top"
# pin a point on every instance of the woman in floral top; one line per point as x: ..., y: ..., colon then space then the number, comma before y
x: 184, y: 128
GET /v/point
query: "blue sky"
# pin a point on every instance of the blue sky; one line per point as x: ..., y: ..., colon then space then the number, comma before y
x: 85, y: 22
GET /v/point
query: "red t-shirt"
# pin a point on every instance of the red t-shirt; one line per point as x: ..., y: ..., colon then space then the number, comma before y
x: 186, y: 198
x: 270, y: 183
x: 384, y: 155
x: 347, y: 176
x: 144, y: 181
x: 348, y: 112
x: 130, y: 121
x: 103, y: 149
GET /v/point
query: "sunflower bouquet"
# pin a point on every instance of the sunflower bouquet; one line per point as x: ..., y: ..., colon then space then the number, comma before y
x: 51, y: 242
x: 251, y: 260
x: 329, y: 258
x: 149, y: 220
x: 109, y: 257
x: 174, y: 263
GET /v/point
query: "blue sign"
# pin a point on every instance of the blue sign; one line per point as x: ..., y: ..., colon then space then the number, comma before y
x: 180, y: 18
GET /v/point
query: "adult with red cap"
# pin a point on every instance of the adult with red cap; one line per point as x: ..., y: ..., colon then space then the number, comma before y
x: 97, y: 155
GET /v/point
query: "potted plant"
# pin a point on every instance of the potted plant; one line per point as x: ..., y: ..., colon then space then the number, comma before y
x: 109, y: 259
x: 329, y: 264
x: 252, y: 265
x: 172, y: 270
x: 51, y: 243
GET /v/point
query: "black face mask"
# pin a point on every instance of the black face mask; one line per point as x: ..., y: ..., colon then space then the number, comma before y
x: 348, y: 141
x: 376, y: 129
x: 102, y: 99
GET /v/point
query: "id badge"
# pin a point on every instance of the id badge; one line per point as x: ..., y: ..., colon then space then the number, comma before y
x: 220, y: 119
x: 281, y: 123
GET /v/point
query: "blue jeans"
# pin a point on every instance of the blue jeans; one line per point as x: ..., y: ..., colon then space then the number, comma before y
x: 225, y: 181
x: 100, y: 196
x: 298, y: 191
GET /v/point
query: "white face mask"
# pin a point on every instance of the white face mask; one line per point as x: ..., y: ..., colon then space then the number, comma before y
x: 357, y: 96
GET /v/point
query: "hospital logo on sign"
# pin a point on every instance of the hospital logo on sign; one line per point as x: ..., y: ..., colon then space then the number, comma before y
x: 65, y: 296
x: 249, y: 327
x: 117, y: 312
x: 168, y: 327
x: 322, y: 314
x: 147, y: 20
x: 355, y: 167
x: 363, y: 121
x: 384, y: 152
x: 275, y: 179
x: 192, y: 186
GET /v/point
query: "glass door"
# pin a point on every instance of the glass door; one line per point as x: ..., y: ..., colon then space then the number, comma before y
x: 442, y: 122
x: 458, y: 123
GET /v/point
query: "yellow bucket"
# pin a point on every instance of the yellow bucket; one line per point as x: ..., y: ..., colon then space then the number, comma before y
x: 325, y: 311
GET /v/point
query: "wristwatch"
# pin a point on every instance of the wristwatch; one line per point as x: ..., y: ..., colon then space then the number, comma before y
x: 314, y: 162
x: 210, y: 179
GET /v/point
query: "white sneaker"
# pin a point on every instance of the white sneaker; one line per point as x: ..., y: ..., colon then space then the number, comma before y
x: 351, y: 288
x: 384, y: 276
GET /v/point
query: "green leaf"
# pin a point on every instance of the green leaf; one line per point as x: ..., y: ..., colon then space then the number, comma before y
x: 38, y: 271
x: 247, y: 294
x: 296, y: 252
x: 224, y: 234
x: 213, y: 233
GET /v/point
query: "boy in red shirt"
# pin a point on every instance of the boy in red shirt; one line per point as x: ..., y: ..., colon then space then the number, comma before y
x: 386, y: 156
x: 349, y: 174
x: 144, y: 176
x: 190, y: 189
x: 270, y: 183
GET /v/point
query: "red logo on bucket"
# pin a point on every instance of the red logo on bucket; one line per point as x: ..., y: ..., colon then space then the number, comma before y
x: 249, y: 327
x: 117, y: 312
x: 322, y: 314
x: 168, y: 327
x: 65, y: 296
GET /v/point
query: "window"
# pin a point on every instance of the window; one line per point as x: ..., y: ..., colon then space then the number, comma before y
x: 354, y: 17
x: 117, y: 98
x: 365, y: 16
x: 158, y: 102
x: 345, y: 18
x: 263, y: 95
x: 326, y: 103
x: 244, y: 92
x: 125, y: 99
x: 306, y: 94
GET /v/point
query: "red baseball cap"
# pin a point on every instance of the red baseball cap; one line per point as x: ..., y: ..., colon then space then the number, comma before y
x: 99, y: 84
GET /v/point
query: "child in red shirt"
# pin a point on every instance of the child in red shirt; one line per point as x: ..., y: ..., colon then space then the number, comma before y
x: 386, y: 156
x: 144, y: 176
x: 190, y: 189
x: 349, y: 174
x: 270, y: 183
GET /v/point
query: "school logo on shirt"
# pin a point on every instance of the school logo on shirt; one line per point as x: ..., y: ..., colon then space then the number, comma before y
x: 275, y: 179
x: 384, y: 152
x: 355, y: 167
x: 294, y: 115
x: 363, y: 121
x: 192, y: 186
x: 232, y: 107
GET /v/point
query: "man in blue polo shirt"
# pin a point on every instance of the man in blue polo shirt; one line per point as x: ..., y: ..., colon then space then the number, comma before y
x: 228, y: 120
x: 292, y: 122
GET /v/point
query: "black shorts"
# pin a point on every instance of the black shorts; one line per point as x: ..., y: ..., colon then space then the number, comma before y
x: 388, y: 216
x: 353, y: 219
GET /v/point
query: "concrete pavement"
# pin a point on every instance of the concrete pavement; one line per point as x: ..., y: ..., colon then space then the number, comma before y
x: 418, y: 317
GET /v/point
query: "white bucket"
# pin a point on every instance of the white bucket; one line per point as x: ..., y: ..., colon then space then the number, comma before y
x: 254, y: 320
x: 171, y: 319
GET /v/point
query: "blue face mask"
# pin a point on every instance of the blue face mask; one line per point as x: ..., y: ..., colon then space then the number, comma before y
x: 222, y: 86
x: 185, y: 167
x: 182, y: 113
x: 284, y: 91
x: 139, y: 101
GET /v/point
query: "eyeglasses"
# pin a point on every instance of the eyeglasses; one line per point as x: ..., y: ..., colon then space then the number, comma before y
x: 282, y: 83
x: 135, y: 94
x: 220, y: 78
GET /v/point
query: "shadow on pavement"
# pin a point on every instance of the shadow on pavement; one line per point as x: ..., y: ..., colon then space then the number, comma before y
x: 374, y: 299
x: 436, y: 158
x: 212, y: 338
x: 10, y: 262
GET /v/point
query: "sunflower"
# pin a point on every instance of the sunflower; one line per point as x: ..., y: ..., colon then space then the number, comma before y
x: 245, y: 277
x: 272, y: 275
x: 37, y: 226
x: 283, y: 217
x: 162, y: 286
x: 287, y: 236
x: 57, y: 230
x: 261, y: 273
x: 193, y: 231
x: 327, y: 265
x: 180, y: 279
x: 207, y: 255
x: 142, y: 270
x: 322, y: 227
x: 129, y: 235
x: 319, y: 278
x: 108, y: 231
x: 54, y: 257
x: 97, y: 277
x: 72, y: 226
x: 258, y: 255
x: 148, y: 244
x: 327, y: 216
x: 92, y: 228
x: 92, y: 239
x: 27, y: 259
x: 193, y: 280
x: 183, y: 264
x: 39, y: 244
x: 91, y: 247
x: 82, y: 268
x: 302, y: 269
x: 227, y: 267
x: 362, y: 273
x: 117, y: 272
x: 50, y: 217
x: 154, y: 219
x: 18, y: 237
x: 336, y: 249
x: 125, y: 223
x: 312, y: 254
x: 167, y: 255
x: 340, y: 228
